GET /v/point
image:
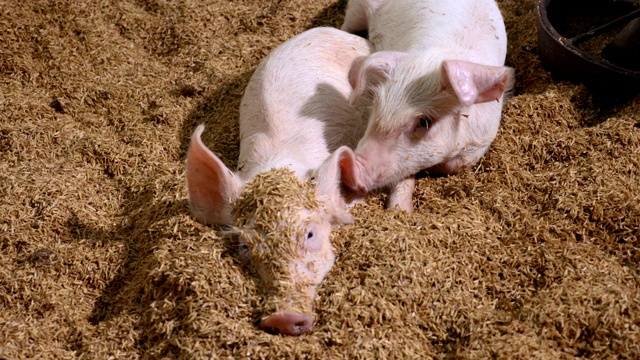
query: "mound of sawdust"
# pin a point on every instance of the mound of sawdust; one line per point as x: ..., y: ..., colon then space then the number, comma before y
x: 532, y: 254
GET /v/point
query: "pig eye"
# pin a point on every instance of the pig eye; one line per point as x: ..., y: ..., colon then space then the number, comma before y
x: 424, y: 122
x: 243, y: 248
x: 244, y: 252
x: 313, y: 239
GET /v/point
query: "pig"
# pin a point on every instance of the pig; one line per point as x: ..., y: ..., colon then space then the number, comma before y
x: 285, y: 198
x: 438, y: 80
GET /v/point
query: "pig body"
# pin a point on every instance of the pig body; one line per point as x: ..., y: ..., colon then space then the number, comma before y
x: 438, y: 79
x: 285, y: 197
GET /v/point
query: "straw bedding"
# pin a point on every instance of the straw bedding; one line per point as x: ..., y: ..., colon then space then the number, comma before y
x: 532, y: 254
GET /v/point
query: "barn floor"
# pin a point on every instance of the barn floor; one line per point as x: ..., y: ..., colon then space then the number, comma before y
x: 533, y: 254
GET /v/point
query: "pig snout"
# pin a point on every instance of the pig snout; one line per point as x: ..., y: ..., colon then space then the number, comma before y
x: 286, y: 322
x: 288, y: 310
x: 368, y: 169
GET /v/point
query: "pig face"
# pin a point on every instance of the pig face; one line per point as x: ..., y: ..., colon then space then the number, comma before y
x: 285, y: 234
x: 426, y: 112
x: 284, y: 225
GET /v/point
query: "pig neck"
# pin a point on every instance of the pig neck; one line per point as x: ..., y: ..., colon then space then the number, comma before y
x: 260, y: 153
x: 275, y: 162
x: 275, y: 143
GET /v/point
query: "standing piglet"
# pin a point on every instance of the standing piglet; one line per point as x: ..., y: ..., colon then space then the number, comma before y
x: 438, y: 80
x: 285, y: 197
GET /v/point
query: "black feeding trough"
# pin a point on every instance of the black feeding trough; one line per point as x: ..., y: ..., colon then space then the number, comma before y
x: 595, y: 42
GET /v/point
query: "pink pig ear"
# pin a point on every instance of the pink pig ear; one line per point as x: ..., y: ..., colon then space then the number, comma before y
x: 350, y: 171
x: 211, y: 185
x: 474, y: 83
x: 370, y: 70
x: 328, y: 178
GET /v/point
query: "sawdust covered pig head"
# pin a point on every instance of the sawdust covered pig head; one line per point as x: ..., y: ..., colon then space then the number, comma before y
x: 284, y: 226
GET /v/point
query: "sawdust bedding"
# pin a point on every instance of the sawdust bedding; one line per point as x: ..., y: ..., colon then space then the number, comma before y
x: 532, y: 254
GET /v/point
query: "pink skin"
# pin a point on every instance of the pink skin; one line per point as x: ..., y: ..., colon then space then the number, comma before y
x: 288, y: 323
x: 294, y: 113
x: 358, y: 13
x: 437, y: 79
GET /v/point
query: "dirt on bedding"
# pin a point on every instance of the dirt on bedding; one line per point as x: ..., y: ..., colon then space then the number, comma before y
x: 533, y: 254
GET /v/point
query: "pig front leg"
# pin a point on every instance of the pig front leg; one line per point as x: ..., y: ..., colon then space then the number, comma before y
x: 401, y: 195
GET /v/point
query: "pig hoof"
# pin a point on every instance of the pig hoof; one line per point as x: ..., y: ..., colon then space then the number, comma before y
x: 287, y: 323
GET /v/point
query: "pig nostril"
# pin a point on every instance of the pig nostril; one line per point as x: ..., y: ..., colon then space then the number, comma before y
x: 287, y: 323
x: 301, y: 324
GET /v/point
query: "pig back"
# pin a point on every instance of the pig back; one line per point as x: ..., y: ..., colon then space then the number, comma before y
x: 474, y: 27
x: 295, y: 109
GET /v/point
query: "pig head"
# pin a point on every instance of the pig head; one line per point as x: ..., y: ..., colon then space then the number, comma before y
x: 284, y: 226
x: 427, y: 113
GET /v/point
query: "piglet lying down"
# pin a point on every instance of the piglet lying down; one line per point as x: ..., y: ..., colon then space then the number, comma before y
x: 438, y: 80
x: 285, y: 198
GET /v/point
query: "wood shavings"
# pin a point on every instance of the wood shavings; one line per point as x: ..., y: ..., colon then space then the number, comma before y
x: 534, y: 255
